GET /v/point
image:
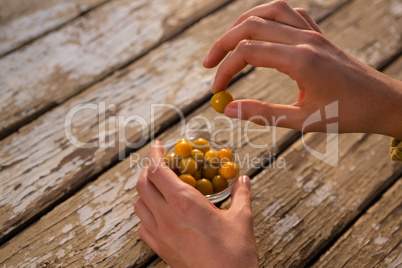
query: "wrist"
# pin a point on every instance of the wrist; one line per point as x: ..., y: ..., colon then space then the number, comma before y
x: 382, y: 102
x: 391, y: 125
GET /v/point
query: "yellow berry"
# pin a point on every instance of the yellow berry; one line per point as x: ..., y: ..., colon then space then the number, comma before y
x: 219, y: 183
x: 209, y: 171
x: 204, y: 186
x: 188, y: 166
x: 198, y: 156
x: 229, y: 170
x: 198, y: 175
x: 201, y: 144
x: 225, y: 155
x: 220, y: 100
x: 183, y: 148
x: 211, y: 157
x: 187, y: 178
x: 172, y: 161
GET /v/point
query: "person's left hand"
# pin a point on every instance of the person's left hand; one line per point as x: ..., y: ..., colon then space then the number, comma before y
x: 185, y: 229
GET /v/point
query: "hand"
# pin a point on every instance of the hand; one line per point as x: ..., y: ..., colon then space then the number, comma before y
x: 277, y: 36
x: 185, y: 229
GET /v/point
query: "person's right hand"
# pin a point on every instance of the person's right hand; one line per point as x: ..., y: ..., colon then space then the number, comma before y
x: 185, y: 229
x: 277, y: 36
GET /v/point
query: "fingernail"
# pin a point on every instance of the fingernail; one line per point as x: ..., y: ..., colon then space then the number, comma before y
x: 245, y: 180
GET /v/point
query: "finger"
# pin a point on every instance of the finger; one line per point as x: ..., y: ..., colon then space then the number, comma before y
x: 148, y: 238
x: 262, y: 113
x: 149, y: 194
x: 241, y: 197
x: 309, y: 19
x: 145, y: 215
x: 257, y: 53
x: 254, y: 28
x: 278, y: 11
x: 162, y: 177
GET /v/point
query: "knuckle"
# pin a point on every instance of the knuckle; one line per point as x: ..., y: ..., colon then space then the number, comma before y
x: 243, y: 46
x: 280, y: 5
x: 309, y: 58
x: 302, y: 11
x: 252, y: 21
x: 138, y: 206
x: 140, y: 185
x: 164, y: 225
x: 141, y: 232
x: 247, y: 214
x: 262, y: 115
x: 219, y: 44
x: 307, y: 53
x: 182, y: 203
x: 316, y: 38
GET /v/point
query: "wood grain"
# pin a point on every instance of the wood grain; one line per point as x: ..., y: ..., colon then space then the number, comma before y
x: 64, y: 62
x: 375, y: 240
x: 298, y: 210
x: 23, y: 21
x: 98, y: 222
x: 46, y: 160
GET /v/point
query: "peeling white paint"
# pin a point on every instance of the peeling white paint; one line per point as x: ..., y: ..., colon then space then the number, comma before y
x: 320, y: 195
x: 35, y: 167
x: 68, y: 238
x: 60, y: 253
x: 272, y: 209
x: 282, y: 227
x: 375, y: 226
x: 131, y: 182
x: 87, y: 213
x: 24, y: 28
x: 67, y: 228
x: 396, y: 9
x: 80, y: 51
x: 380, y: 240
x: 361, y: 238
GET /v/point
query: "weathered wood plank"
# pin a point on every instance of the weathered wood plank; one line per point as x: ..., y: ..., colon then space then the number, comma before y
x: 97, y: 202
x: 23, y: 21
x: 63, y: 63
x: 106, y: 231
x: 299, y: 209
x: 361, y: 245
x: 42, y: 163
x: 375, y: 240
x: 302, y: 252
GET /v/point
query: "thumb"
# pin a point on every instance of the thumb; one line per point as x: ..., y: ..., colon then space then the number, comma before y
x: 263, y: 113
x: 155, y: 156
x: 241, y: 197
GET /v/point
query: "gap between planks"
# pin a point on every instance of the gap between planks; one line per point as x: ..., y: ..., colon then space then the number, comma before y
x: 20, y: 23
x: 391, y: 68
x: 109, y: 175
x: 158, y: 63
x: 375, y: 239
x: 85, y: 71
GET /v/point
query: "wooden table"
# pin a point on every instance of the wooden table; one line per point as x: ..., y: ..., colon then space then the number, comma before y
x: 73, y: 71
